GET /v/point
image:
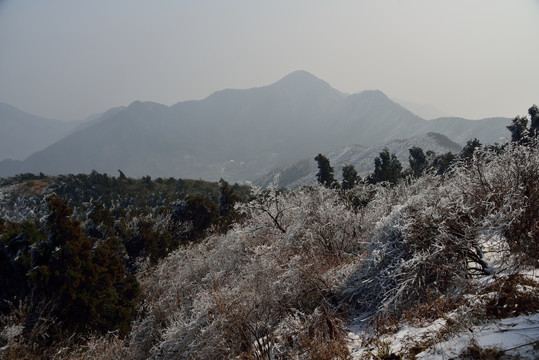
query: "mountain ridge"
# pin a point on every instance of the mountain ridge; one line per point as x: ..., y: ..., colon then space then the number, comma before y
x: 22, y: 133
x: 235, y: 134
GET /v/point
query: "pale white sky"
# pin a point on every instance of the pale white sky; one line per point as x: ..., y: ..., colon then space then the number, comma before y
x: 68, y: 59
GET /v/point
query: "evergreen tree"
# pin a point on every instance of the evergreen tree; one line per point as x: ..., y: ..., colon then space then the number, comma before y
x: 418, y: 161
x: 520, y: 133
x: 534, y: 116
x: 195, y: 214
x: 518, y: 129
x: 325, y: 171
x: 350, y: 178
x: 122, y: 175
x: 386, y: 168
x: 441, y: 163
x: 227, y: 199
x: 468, y: 150
x: 87, y: 284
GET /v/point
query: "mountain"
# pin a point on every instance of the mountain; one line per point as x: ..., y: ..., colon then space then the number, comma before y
x: 22, y: 134
x: 488, y: 131
x: 234, y: 134
x: 425, y: 111
x: 304, y: 172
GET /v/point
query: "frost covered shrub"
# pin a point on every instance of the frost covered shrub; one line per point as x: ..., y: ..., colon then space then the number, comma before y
x: 478, y: 220
x: 27, y: 335
x: 503, y: 191
x: 404, y: 255
x: 256, y: 291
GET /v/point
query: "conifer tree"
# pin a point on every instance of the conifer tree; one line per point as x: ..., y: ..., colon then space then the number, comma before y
x: 227, y: 199
x: 468, y: 150
x: 386, y: 168
x: 350, y: 177
x: 518, y: 129
x: 87, y: 284
x: 534, y: 116
x: 418, y: 161
x: 325, y: 171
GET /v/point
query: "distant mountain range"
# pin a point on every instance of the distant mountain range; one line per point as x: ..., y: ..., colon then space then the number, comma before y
x: 303, y: 172
x: 22, y: 134
x: 234, y: 134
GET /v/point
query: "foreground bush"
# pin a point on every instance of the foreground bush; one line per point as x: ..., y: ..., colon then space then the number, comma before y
x: 481, y: 219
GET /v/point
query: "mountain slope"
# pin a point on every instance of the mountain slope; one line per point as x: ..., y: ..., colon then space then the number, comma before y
x: 234, y: 134
x: 489, y: 131
x: 22, y: 134
x: 304, y: 172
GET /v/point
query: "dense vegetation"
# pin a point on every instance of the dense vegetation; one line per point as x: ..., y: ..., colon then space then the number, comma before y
x: 69, y: 245
x: 170, y: 269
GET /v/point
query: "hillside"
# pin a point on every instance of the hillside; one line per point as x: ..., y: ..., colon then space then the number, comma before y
x: 237, y: 135
x: 431, y: 267
x: 304, y: 172
x: 22, y: 134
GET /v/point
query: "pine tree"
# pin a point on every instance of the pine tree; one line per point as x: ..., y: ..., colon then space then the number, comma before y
x: 418, y: 161
x: 350, y: 177
x: 325, y: 171
x: 468, y: 150
x: 534, y: 116
x: 518, y: 129
x: 227, y: 199
x: 386, y: 168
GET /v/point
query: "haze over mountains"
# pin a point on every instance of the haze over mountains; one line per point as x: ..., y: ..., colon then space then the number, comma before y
x: 234, y: 134
x: 22, y: 134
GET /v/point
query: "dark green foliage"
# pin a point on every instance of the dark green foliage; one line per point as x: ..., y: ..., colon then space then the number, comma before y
x: 227, y: 199
x: 386, y: 168
x: 518, y: 129
x: 418, y: 161
x: 100, y: 222
x: 79, y: 264
x: 15, y: 242
x: 194, y: 215
x: 86, y: 281
x: 534, y: 117
x: 520, y: 133
x: 325, y: 172
x: 440, y: 163
x: 468, y: 150
x: 146, y: 242
x: 350, y: 178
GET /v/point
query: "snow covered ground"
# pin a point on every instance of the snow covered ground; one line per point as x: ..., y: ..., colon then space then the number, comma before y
x: 518, y: 336
x: 459, y: 334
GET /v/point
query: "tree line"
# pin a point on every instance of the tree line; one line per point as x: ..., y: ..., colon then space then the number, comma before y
x: 388, y: 169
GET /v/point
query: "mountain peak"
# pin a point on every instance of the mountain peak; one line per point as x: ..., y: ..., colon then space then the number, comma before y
x: 301, y: 78
x: 374, y: 94
x: 145, y: 105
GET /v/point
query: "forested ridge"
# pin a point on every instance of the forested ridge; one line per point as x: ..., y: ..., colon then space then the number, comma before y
x: 95, y: 266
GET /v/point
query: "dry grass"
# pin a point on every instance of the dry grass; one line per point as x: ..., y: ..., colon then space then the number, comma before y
x: 513, y: 295
x: 475, y: 352
x: 432, y: 309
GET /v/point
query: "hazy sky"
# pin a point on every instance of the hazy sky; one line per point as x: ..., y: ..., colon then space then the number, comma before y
x: 68, y: 59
